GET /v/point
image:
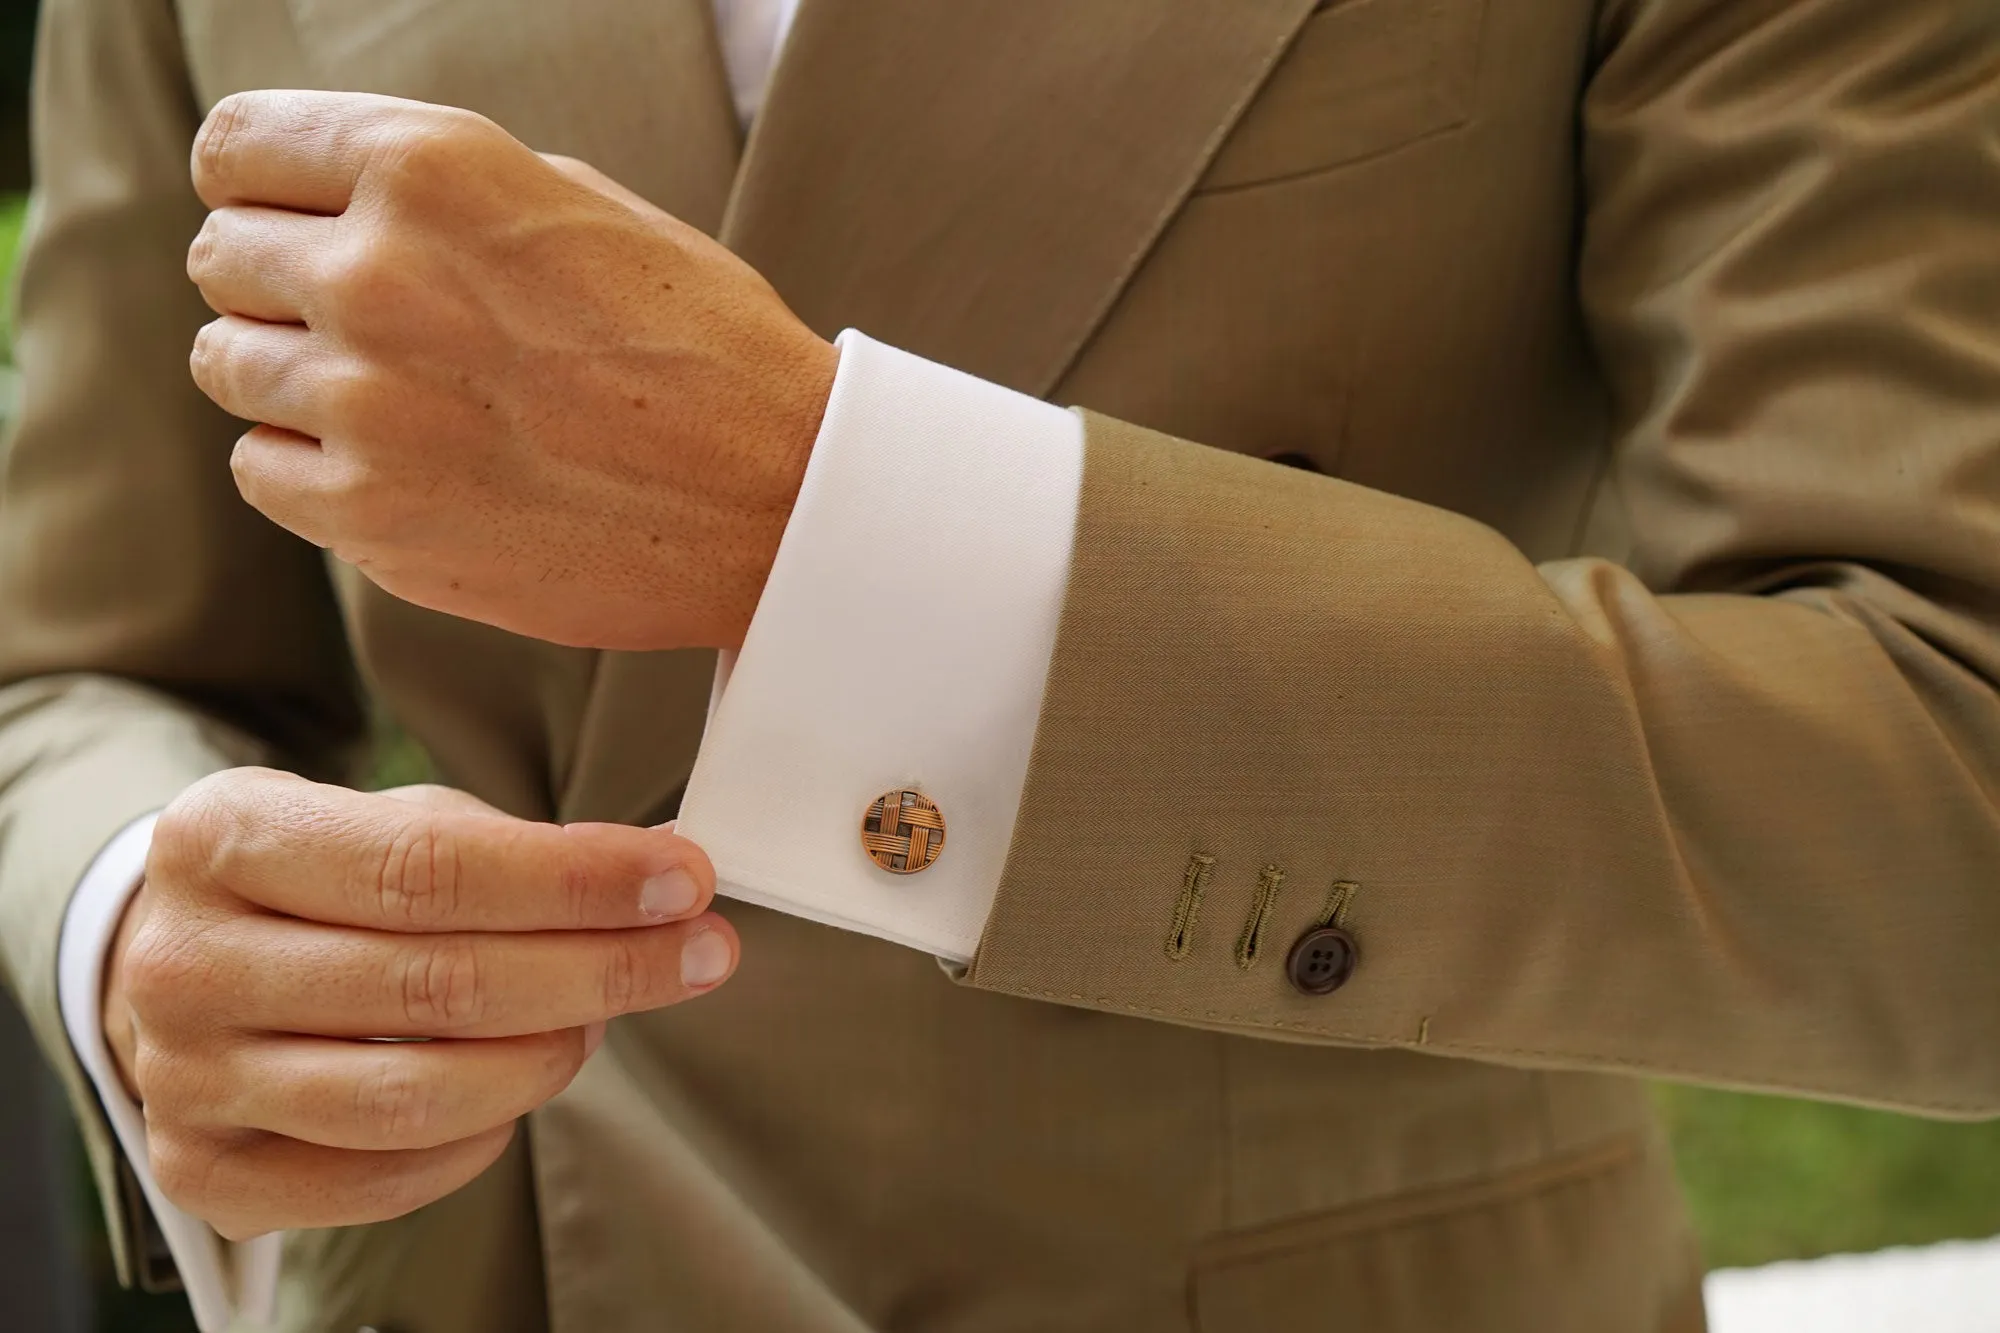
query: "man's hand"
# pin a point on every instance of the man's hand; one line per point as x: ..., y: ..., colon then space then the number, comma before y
x: 500, y: 385
x: 284, y: 923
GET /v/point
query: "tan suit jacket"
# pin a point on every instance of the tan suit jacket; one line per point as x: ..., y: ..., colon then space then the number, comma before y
x: 1634, y: 652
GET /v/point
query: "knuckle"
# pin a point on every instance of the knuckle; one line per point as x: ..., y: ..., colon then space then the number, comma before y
x: 243, y: 470
x: 365, y: 508
x: 185, y: 1166
x: 431, y: 149
x: 267, y: 486
x: 215, y: 142
x: 155, y: 1075
x: 576, y: 888
x: 375, y: 471
x: 162, y: 969
x: 209, y: 359
x: 419, y: 876
x: 440, y: 986
x: 633, y: 977
x: 395, y: 1103
x: 354, y: 486
x: 359, y: 279
x: 577, y: 171
x: 414, y: 166
x: 176, y: 1086
x: 351, y: 401
x: 201, y: 833
x: 373, y: 290
x: 204, y: 251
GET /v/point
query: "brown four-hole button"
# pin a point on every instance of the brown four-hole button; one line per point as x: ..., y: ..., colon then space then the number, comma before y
x: 1322, y: 961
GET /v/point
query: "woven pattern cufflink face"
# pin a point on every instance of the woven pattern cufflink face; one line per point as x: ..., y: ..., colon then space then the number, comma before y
x: 903, y: 831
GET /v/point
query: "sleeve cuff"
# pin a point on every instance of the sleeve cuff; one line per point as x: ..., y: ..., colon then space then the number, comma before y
x: 221, y: 1279
x: 902, y: 641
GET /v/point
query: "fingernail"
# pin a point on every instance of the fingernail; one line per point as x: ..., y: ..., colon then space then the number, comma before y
x: 673, y: 893
x: 593, y: 1037
x: 704, y: 959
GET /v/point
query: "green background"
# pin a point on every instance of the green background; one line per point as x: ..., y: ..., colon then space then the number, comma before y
x: 1767, y: 1178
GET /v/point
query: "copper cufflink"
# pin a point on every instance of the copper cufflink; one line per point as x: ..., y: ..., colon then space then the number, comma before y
x: 903, y: 831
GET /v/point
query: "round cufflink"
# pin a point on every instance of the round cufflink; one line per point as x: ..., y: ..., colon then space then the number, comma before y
x: 903, y: 831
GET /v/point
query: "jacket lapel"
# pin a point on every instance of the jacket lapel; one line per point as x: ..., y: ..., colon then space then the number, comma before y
x: 636, y: 89
x: 974, y: 182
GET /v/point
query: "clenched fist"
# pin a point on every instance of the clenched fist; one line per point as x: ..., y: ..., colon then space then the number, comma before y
x: 500, y: 385
x: 285, y: 927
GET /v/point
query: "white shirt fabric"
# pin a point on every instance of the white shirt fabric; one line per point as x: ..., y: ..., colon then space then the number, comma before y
x: 900, y: 642
x: 1952, y: 1287
x: 751, y: 33
x: 959, y: 588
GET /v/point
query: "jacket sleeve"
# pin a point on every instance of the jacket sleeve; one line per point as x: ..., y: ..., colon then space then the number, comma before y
x: 1724, y: 811
x: 153, y: 628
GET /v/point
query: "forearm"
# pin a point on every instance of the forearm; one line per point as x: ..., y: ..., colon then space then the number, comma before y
x: 1570, y: 821
x: 1713, y: 837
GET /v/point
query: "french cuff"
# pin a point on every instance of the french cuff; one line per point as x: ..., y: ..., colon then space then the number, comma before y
x: 222, y: 1280
x: 901, y: 645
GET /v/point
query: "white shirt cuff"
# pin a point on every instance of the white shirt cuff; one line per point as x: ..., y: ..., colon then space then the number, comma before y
x: 222, y: 1279
x: 902, y: 641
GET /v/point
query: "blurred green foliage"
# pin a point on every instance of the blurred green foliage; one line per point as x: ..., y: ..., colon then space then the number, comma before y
x: 399, y: 761
x: 12, y: 212
x: 1767, y: 1178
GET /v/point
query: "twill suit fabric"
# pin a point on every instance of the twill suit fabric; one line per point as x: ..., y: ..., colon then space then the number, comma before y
x: 1634, y: 652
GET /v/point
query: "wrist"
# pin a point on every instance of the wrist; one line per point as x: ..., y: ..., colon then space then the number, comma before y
x: 798, y: 400
x: 796, y: 408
